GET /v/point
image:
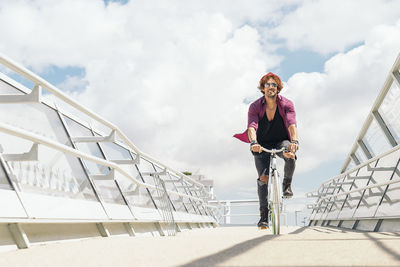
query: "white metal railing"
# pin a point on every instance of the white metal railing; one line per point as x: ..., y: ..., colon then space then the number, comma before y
x: 227, y: 214
x: 366, y: 163
x: 333, y: 195
x: 194, y: 190
x: 368, y: 190
x: 66, y: 149
x: 39, y: 82
x: 375, y: 115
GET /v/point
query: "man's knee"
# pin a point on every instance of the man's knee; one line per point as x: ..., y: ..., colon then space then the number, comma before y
x: 264, y: 178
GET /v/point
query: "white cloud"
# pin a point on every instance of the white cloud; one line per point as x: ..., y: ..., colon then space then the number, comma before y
x: 172, y: 79
x: 174, y: 76
x: 328, y: 26
x: 72, y: 83
x: 332, y: 106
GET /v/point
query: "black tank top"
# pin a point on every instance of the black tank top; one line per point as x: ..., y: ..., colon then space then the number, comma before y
x: 270, y: 133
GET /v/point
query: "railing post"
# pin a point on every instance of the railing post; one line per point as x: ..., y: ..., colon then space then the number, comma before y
x: 228, y: 212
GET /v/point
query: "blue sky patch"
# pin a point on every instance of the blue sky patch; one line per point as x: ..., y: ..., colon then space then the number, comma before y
x: 123, y: 2
x: 56, y: 75
x: 300, y: 61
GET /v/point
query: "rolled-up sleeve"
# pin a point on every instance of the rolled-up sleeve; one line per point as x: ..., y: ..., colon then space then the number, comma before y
x: 290, y: 113
x: 253, y: 116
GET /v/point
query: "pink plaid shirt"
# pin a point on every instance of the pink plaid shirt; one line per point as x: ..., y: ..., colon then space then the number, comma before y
x: 257, y: 111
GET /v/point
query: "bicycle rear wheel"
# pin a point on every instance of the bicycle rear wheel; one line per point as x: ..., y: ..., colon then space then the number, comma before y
x: 276, y: 224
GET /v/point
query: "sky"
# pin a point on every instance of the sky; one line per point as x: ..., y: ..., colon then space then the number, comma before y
x: 177, y: 77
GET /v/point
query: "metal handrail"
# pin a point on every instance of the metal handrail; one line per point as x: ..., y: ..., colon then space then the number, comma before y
x: 66, y: 149
x: 52, y: 89
x: 38, y: 81
x: 360, y: 189
x: 325, y: 197
x: 326, y: 182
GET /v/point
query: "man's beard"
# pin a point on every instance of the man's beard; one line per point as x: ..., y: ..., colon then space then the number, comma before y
x: 272, y: 95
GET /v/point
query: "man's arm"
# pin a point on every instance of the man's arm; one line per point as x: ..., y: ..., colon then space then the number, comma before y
x: 253, y: 137
x: 294, y: 146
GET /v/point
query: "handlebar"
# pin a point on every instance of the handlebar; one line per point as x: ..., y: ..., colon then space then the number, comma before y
x: 274, y: 151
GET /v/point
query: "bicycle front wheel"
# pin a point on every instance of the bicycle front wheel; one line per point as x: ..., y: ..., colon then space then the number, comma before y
x: 276, y: 224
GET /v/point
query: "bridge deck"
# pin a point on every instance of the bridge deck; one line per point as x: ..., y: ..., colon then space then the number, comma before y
x: 224, y: 246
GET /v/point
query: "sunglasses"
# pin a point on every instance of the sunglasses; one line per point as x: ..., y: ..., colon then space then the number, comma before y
x: 266, y: 85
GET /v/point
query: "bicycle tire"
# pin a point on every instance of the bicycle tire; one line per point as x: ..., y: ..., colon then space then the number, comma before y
x: 276, y: 205
x: 273, y: 222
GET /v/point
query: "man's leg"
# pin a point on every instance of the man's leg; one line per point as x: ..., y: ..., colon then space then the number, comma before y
x: 262, y: 166
x: 290, y: 165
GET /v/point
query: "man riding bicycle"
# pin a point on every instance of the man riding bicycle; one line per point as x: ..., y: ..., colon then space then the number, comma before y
x: 271, y: 124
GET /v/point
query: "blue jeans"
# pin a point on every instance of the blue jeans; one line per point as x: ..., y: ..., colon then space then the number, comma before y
x: 262, y: 165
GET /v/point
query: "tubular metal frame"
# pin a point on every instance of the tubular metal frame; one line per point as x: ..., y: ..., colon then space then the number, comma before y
x: 193, y: 191
x: 337, y: 194
x: 393, y: 77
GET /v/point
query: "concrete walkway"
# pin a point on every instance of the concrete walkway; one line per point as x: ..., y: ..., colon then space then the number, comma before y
x: 224, y: 246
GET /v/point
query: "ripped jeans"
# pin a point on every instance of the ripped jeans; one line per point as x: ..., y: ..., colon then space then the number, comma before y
x: 262, y: 165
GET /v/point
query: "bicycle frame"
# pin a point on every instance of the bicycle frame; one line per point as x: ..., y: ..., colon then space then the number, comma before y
x: 274, y: 194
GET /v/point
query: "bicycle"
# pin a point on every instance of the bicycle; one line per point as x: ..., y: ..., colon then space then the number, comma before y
x: 274, y: 197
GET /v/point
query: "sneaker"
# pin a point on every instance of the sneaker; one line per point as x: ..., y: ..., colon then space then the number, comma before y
x: 287, y: 190
x: 263, y: 223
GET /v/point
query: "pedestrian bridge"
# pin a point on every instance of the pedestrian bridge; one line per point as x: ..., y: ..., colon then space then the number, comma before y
x: 222, y: 246
x: 67, y: 174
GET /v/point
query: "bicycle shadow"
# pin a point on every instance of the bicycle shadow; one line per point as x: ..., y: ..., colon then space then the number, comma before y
x: 222, y: 256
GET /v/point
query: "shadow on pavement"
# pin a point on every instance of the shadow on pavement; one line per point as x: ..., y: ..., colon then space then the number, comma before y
x: 384, y: 247
x: 228, y: 253
x: 298, y: 231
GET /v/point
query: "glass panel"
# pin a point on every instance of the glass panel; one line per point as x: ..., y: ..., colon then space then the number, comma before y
x: 7, y: 89
x: 65, y: 108
x: 3, y: 179
x: 169, y: 185
x: 337, y: 204
x: 184, y: 203
x: 36, y: 118
x: 75, y: 128
x: 107, y: 189
x: 322, y: 205
x: 78, y: 130
x: 114, y: 151
x: 350, y: 201
x: 194, y: 191
x: 146, y: 168
x: 351, y: 165
x: 135, y: 195
x: 370, y: 198
x: 56, y: 174
x: 390, y: 205
x: 389, y: 111
x: 375, y: 140
x: 190, y: 202
x: 391, y: 202
x: 360, y: 155
x: 16, y: 77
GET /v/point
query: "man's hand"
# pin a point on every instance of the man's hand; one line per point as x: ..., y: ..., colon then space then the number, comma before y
x: 293, y: 147
x: 256, y: 148
x: 289, y: 155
